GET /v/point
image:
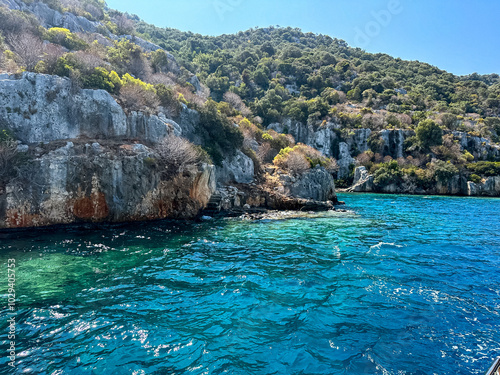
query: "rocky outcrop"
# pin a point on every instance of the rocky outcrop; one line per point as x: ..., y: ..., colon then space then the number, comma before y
x: 52, y: 18
x: 363, y: 181
x: 394, y: 141
x: 237, y: 168
x: 316, y: 184
x: 480, y: 148
x: 79, y: 183
x: 489, y: 187
x: 456, y: 185
x: 43, y: 108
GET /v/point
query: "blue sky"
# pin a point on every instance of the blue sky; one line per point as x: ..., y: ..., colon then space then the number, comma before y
x: 456, y: 35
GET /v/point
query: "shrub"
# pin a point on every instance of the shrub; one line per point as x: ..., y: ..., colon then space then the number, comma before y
x: 221, y: 136
x: 292, y: 160
x: 175, y: 155
x: 429, y: 134
x: 388, y: 173
x: 66, y: 38
x: 29, y: 48
x: 485, y: 168
x: 442, y: 171
x: 137, y: 94
x: 167, y: 99
x: 100, y: 78
x: 475, y: 178
x: 288, y: 159
x: 136, y: 97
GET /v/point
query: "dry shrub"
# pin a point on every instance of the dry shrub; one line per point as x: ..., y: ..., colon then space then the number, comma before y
x: 136, y: 97
x: 387, y: 159
x: 125, y: 25
x: 404, y: 119
x: 176, y: 154
x: 89, y: 60
x: 296, y: 162
x: 373, y: 121
x: 449, y: 150
x: 365, y: 158
x: 52, y: 52
x: 28, y: 47
x: 235, y: 101
x: 378, y: 158
x: 191, y: 97
x: 266, y: 153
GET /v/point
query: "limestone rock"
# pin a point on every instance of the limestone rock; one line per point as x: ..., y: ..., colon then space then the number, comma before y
x: 70, y: 185
x: 345, y: 160
x: 316, y: 184
x: 237, y: 168
x: 43, y: 108
x: 363, y: 181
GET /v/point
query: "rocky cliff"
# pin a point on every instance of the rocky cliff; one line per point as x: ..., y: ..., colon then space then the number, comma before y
x: 90, y: 182
x: 346, y: 145
x: 82, y: 158
x: 455, y: 185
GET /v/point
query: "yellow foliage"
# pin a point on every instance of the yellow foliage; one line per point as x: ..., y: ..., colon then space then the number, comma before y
x: 127, y: 79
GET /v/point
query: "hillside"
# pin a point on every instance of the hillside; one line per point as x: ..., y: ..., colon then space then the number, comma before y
x: 269, y: 105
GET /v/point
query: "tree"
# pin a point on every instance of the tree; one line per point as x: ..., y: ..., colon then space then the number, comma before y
x: 429, y: 134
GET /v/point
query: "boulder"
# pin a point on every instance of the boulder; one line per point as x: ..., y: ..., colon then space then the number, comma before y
x: 316, y: 184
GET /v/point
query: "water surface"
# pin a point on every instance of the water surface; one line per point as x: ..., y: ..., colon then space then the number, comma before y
x: 399, y: 285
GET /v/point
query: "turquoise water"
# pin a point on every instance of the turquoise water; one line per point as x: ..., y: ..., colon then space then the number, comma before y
x: 399, y: 285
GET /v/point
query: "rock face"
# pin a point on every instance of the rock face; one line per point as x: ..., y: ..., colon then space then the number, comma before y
x: 480, y: 148
x: 94, y: 183
x: 316, y: 184
x: 86, y: 160
x: 237, y: 168
x: 457, y: 185
x: 490, y: 187
x: 363, y: 181
x: 43, y: 108
x: 52, y: 18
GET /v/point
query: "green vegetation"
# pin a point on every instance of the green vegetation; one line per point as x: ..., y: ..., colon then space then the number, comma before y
x: 485, y: 168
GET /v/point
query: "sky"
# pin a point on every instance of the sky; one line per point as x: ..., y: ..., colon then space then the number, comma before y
x: 459, y: 36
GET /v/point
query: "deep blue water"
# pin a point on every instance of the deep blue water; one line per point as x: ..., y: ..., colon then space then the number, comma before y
x: 399, y: 285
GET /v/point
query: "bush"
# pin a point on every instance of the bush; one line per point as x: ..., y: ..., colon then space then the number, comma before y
x: 292, y: 160
x: 66, y: 38
x: 388, y: 173
x: 288, y: 159
x: 485, y: 168
x: 100, y: 78
x: 221, y: 136
x: 167, y: 98
x: 137, y: 95
x: 429, y: 134
x: 442, y: 171
x: 175, y: 155
x: 475, y: 178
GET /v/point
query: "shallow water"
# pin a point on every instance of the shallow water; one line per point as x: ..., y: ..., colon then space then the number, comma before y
x: 399, y: 285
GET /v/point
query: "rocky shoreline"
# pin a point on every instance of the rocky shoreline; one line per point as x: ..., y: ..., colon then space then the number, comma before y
x: 455, y: 186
